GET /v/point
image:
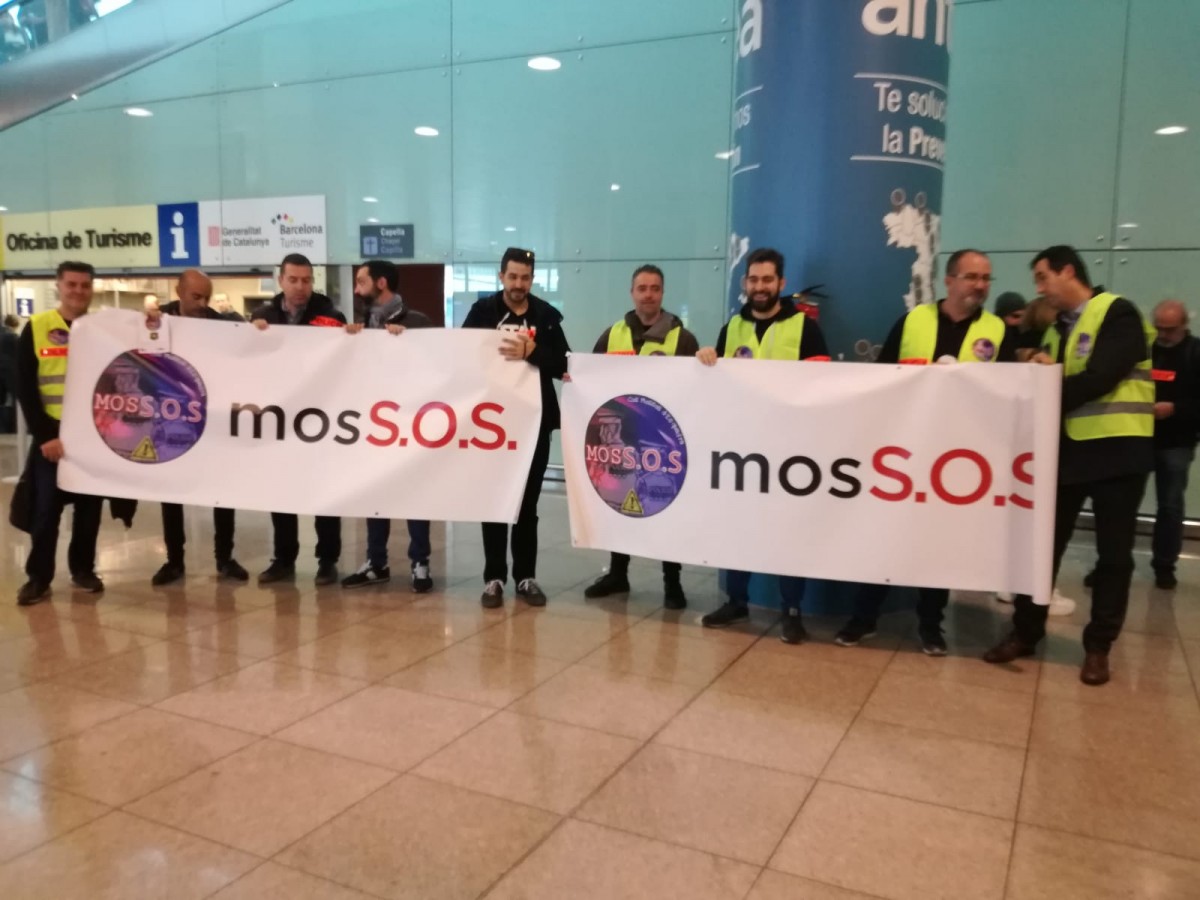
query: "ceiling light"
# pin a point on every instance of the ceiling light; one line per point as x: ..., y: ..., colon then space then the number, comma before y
x: 426, y: 131
x: 370, y: 199
x: 1171, y: 129
x: 3, y: 209
x: 274, y: 84
x: 725, y: 154
x: 1128, y: 225
x: 74, y: 96
x: 138, y: 112
x: 544, y: 63
x: 372, y: 220
x: 510, y: 227
x: 614, y: 187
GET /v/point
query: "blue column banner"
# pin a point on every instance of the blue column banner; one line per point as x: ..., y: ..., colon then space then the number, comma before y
x: 839, y: 126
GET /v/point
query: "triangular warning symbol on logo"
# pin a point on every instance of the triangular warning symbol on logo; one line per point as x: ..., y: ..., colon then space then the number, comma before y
x: 632, y: 505
x: 144, y: 451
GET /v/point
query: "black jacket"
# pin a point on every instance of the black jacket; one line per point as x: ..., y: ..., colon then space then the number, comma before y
x: 550, y: 354
x: 319, y: 311
x: 1119, y: 345
x: 408, y: 318
x: 172, y: 309
x: 1177, y: 380
x: 688, y: 345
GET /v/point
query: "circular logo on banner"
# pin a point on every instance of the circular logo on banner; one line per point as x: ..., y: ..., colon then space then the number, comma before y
x: 150, y: 407
x: 636, y: 456
x: 984, y: 350
x: 743, y: 352
x: 1084, y: 346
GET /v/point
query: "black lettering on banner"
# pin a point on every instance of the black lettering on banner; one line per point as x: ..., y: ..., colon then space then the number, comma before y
x: 853, y: 485
x: 739, y: 465
x: 298, y: 425
x: 814, y: 476
x: 258, y: 413
x: 345, y: 424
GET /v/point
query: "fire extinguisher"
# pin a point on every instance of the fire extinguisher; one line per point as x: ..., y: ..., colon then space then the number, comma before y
x: 808, y: 301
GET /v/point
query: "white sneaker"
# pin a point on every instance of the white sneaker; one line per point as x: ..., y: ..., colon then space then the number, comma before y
x: 1004, y: 597
x: 1060, y: 605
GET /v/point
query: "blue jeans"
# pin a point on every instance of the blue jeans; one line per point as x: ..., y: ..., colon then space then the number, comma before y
x: 791, y: 589
x: 378, y: 532
x: 1171, y: 466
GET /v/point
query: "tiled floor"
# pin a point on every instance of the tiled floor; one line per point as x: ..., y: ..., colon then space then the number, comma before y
x: 234, y: 742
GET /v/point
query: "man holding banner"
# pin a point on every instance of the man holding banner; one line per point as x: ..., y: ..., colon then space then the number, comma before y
x: 194, y: 290
x: 533, y: 335
x: 41, y: 382
x: 1106, y: 451
x: 765, y: 328
x: 296, y: 304
x: 647, y: 330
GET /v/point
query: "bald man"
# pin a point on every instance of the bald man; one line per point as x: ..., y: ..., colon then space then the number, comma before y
x: 194, y: 290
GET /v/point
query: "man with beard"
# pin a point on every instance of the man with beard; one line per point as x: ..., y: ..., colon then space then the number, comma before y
x: 955, y: 329
x: 766, y: 327
x: 377, y: 282
x: 297, y: 304
x: 194, y: 290
x: 533, y: 335
x: 647, y: 330
x: 1105, y: 452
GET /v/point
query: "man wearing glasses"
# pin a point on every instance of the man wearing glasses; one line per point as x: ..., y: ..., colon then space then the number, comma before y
x: 955, y: 329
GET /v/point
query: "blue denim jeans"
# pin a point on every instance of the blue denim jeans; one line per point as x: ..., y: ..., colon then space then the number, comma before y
x: 378, y: 532
x: 1171, y: 466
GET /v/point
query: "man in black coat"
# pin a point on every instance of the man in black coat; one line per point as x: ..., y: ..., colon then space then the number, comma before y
x: 296, y: 304
x: 534, y: 336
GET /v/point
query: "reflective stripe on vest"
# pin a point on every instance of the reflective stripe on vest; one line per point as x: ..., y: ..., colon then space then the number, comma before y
x: 620, y: 341
x: 1127, y: 410
x: 782, y: 340
x: 51, y: 337
x: 918, y: 339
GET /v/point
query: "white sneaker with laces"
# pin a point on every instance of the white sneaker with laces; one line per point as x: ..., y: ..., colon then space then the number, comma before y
x: 1060, y: 605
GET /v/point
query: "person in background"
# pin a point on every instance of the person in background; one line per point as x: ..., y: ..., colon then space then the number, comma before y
x: 377, y: 281
x: 297, y: 304
x: 1010, y: 306
x: 533, y: 335
x: 42, y: 357
x: 8, y: 373
x: 194, y: 290
x: 765, y: 327
x: 646, y: 330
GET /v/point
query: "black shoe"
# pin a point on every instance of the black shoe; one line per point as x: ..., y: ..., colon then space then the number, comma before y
x: 366, y: 576
x: 791, y: 628
x: 33, y: 592
x: 728, y: 614
x: 1165, y: 580
x: 1089, y: 580
x: 168, y: 573
x: 327, y: 574
x: 606, y: 585
x: 88, y: 582
x: 854, y: 632
x: 493, y: 594
x: 529, y: 591
x: 232, y: 569
x: 933, y: 644
x: 1008, y: 650
x: 422, y: 580
x: 277, y: 571
x: 673, y: 595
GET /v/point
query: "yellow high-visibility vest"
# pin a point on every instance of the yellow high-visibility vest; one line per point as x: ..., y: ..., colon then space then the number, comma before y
x: 620, y: 340
x: 51, y: 336
x: 782, y: 340
x: 919, y: 337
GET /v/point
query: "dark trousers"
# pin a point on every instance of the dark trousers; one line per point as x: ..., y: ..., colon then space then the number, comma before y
x: 287, y: 538
x: 378, y: 532
x: 931, y: 606
x: 619, y: 565
x: 791, y: 589
x: 1115, y: 503
x: 174, y: 537
x: 48, y: 502
x: 524, y: 533
x: 1171, y: 467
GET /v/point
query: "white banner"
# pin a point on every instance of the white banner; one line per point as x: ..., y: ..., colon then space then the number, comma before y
x: 929, y: 476
x: 429, y: 424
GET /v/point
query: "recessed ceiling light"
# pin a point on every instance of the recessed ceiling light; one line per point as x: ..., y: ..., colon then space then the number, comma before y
x: 725, y: 154
x: 614, y: 187
x: 510, y: 227
x: 274, y: 84
x: 544, y: 63
x: 138, y: 112
x: 3, y: 209
x: 426, y: 131
x: 370, y: 199
x: 74, y: 96
x: 1171, y: 129
x: 1128, y: 225
x: 372, y: 220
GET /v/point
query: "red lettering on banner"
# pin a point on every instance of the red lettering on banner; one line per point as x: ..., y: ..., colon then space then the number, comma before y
x: 451, y: 425
x: 494, y: 428
x: 392, y: 428
x: 1020, y: 470
x: 985, y: 477
x: 906, y: 484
